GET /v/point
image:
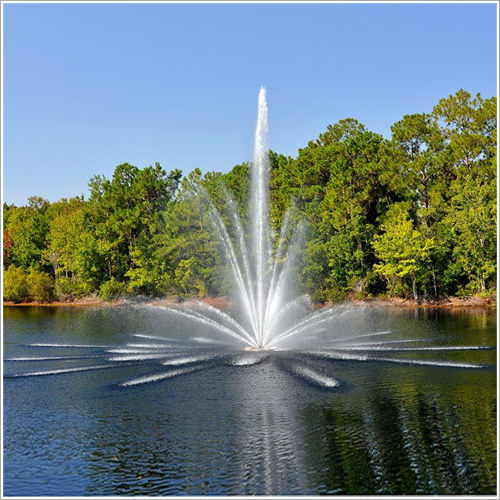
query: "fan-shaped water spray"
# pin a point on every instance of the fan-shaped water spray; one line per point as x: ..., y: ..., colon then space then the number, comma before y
x: 271, y: 317
x: 260, y: 280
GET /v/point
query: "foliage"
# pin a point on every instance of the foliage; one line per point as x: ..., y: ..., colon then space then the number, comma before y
x: 15, y: 284
x: 27, y: 228
x: 71, y: 288
x: 404, y: 252
x: 413, y: 214
x: 40, y: 286
x: 112, y: 289
x: 20, y: 286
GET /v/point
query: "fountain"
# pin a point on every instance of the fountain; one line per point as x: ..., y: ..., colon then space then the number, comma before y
x: 261, y: 281
x: 273, y: 322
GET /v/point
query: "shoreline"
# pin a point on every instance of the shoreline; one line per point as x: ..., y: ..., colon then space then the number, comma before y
x: 443, y: 303
x: 488, y: 303
x: 76, y: 303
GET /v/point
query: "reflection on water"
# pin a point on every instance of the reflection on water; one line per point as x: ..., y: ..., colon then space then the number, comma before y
x: 252, y: 429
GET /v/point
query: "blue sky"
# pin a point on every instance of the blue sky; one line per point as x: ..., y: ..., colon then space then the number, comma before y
x: 90, y: 86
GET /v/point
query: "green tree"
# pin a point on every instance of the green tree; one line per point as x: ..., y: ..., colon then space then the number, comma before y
x: 404, y: 251
x: 15, y: 285
x: 62, y: 248
x: 424, y: 163
x: 469, y: 126
x: 27, y: 228
x: 181, y: 256
x: 357, y: 169
x: 121, y: 211
x: 40, y: 285
x: 472, y: 223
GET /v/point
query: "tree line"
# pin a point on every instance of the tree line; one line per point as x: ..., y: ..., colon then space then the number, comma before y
x: 413, y: 215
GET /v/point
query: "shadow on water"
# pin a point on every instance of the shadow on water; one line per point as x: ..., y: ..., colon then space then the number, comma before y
x: 415, y: 444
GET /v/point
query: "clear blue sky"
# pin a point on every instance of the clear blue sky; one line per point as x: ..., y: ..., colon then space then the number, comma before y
x: 90, y: 86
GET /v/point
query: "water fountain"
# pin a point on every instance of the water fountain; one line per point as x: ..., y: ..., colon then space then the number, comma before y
x: 274, y: 322
x: 260, y: 279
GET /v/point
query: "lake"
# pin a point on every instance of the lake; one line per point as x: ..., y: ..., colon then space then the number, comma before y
x: 236, y: 428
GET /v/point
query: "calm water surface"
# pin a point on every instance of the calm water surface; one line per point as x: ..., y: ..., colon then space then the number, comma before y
x: 246, y: 430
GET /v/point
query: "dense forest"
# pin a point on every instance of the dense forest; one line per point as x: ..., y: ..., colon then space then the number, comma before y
x: 410, y: 216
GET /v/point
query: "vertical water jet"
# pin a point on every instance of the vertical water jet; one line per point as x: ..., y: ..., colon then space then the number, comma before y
x: 259, y: 212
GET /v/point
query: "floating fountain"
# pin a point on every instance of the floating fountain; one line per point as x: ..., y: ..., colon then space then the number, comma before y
x: 273, y: 321
x: 261, y: 280
x: 259, y: 265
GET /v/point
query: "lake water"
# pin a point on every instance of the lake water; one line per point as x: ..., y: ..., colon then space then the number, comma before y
x: 260, y: 429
